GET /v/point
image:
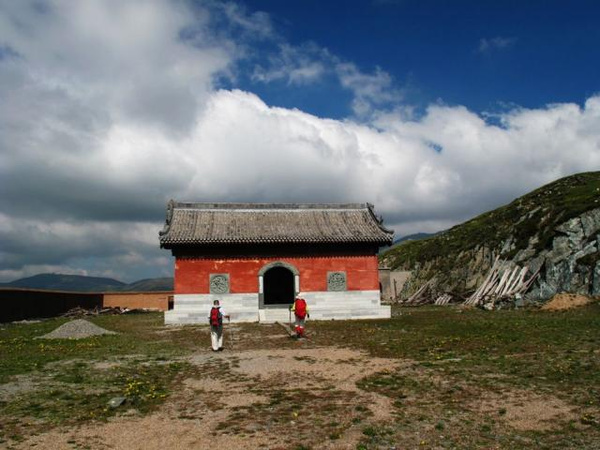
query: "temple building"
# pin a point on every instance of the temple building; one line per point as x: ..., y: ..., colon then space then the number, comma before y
x: 256, y: 257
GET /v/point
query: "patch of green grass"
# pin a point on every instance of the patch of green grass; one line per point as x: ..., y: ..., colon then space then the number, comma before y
x: 22, y: 352
x: 530, y: 348
x: 65, y: 399
x: 394, y: 384
x: 300, y: 409
x: 376, y: 436
x: 71, y: 388
x: 370, y: 431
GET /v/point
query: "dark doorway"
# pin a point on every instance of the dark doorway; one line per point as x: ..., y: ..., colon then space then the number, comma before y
x: 278, y: 286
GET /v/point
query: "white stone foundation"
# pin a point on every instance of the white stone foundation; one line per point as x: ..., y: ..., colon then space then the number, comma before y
x: 194, y: 308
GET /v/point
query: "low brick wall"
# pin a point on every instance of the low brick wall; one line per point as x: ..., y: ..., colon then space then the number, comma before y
x: 138, y: 300
x: 21, y: 304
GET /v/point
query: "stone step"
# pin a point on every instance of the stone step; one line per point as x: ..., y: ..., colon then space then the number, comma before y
x: 341, y: 305
x: 203, y: 309
x: 173, y: 317
x: 272, y: 315
x: 382, y: 312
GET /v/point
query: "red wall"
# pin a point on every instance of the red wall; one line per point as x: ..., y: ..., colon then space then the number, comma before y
x: 192, y: 275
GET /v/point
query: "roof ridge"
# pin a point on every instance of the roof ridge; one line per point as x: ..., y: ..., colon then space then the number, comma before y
x: 270, y: 206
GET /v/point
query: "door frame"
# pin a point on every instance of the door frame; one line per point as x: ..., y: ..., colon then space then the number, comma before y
x: 261, y: 290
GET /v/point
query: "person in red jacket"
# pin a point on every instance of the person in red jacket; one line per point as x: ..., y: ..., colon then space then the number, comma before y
x: 300, y: 309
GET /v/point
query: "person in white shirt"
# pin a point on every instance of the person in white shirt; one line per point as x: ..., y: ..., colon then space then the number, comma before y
x: 215, y: 320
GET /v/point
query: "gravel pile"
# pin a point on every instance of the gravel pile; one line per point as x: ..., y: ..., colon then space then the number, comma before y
x: 76, y: 329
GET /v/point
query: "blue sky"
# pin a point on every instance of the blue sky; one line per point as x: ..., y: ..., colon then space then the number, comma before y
x: 484, y: 55
x: 433, y: 111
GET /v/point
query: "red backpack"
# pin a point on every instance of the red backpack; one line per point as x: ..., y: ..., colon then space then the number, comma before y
x: 216, y: 318
x: 300, y: 308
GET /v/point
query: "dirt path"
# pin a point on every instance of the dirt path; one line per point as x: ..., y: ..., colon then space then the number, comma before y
x: 248, y: 400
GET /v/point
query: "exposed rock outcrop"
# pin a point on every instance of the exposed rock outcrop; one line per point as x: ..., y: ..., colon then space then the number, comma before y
x: 572, y: 264
x: 555, y: 229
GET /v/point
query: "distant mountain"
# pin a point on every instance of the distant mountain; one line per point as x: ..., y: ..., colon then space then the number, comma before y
x: 150, y: 284
x: 413, y: 237
x: 81, y: 283
x: 405, y: 239
x: 59, y: 282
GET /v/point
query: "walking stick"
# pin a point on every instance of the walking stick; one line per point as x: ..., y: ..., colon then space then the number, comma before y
x: 230, y: 332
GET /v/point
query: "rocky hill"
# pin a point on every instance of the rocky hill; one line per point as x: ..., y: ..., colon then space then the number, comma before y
x: 554, y: 229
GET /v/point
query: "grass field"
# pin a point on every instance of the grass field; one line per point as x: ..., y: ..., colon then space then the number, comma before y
x: 428, y: 378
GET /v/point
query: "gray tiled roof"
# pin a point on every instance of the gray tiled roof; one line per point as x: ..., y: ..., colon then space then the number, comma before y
x: 253, y: 223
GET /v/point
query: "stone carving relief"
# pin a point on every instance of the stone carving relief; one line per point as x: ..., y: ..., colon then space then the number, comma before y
x: 219, y: 283
x: 336, y: 281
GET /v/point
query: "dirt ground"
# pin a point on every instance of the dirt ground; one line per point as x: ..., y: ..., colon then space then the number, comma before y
x: 231, y: 402
x: 206, y: 403
x: 526, y: 411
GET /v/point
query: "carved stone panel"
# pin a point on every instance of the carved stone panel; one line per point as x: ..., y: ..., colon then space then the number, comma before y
x: 336, y: 281
x: 219, y: 283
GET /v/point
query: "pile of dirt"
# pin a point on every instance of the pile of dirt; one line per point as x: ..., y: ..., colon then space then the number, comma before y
x: 76, y: 329
x: 566, y: 301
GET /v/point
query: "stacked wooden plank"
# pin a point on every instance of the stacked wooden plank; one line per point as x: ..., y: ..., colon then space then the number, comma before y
x: 443, y: 300
x: 504, y: 281
x: 80, y: 312
x: 421, y: 296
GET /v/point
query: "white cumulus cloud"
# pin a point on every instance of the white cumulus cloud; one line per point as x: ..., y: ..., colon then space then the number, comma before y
x: 111, y: 108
